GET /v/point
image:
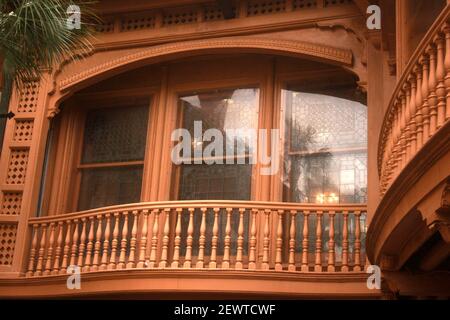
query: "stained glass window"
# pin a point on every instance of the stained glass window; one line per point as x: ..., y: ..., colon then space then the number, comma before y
x: 112, y: 155
x: 325, y: 151
x: 224, y: 110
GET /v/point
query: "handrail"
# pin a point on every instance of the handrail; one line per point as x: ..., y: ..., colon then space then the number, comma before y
x: 260, y: 205
x: 420, y: 103
x: 239, y: 235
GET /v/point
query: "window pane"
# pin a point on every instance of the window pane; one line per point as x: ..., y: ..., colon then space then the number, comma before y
x: 115, y: 134
x: 224, y: 110
x: 215, y: 182
x: 101, y: 187
x: 326, y: 145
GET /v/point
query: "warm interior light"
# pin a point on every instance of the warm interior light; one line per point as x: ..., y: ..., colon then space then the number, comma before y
x: 327, y: 198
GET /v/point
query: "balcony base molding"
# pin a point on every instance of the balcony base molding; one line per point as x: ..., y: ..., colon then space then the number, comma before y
x: 419, y: 285
x: 161, y: 283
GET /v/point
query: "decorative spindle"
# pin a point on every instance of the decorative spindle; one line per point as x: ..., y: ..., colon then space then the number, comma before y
x: 123, y: 242
x: 154, y: 248
x: 440, y: 77
x: 42, y: 244
x: 266, y: 240
x: 66, y: 249
x: 114, y: 243
x: 318, y: 260
x: 227, y: 242
x: 73, y: 253
x: 240, y: 240
x: 413, y: 110
x: 292, y: 242
x: 305, y: 242
x: 48, y: 260
x: 177, y: 241
x: 58, y: 248
x: 143, y: 242
x: 165, y: 239
x: 214, y: 240
x: 98, y: 244
x: 419, y: 101
x: 90, y: 245
x: 189, y: 239
x: 425, y: 92
x: 345, y: 242
x: 432, y: 83
x: 105, y: 260
x: 202, y: 240
x: 33, y: 251
x: 131, y: 257
x: 446, y: 30
x: 331, y: 243
x: 279, y: 242
x: 82, y: 245
x: 357, y: 265
x: 252, y: 251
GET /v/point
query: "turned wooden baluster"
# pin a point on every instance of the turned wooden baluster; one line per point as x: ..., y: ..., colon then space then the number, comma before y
x: 432, y: 83
x: 104, y: 262
x: 202, y: 240
x: 331, y: 243
x: 165, y: 239
x: 440, y: 76
x: 65, y: 259
x: 240, y: 240
x: 266, y: 240
x: 114, y: 243
x: 446, y: 30
x: 279, y: 242
x: 419, y: 101
x: 82, y: 245
x: 318, y: 262
x: 133, y: 240
x: 305, y: 242
x: 177, y: 241
x: 123, y: 242
x: 154, y: 248
x: 48, y: 260
x: 41, y: 251
x: 407, y: 130
x: 143, y: 242
x: 58, y: 250
x: 98, y: 244
x: 413, y: 110
x: 73, y: 252
x: 291, y: 266
x: 357, y: 266
x: 89, y: 246
x: 227, y: 241
x: 252, y: 242
x: 345, y: 242
x: 214, y: 240
x: 189, y: 240
x: 425, y: 92
x: 33, y: 251
x: 402, y: 153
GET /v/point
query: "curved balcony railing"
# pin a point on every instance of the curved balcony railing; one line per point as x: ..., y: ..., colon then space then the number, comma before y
x: 420, y: 104
x: 237, y: 235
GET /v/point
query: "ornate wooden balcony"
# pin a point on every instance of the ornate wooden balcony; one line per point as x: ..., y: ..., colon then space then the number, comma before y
x: 209, y: 235
x: 419, y: 110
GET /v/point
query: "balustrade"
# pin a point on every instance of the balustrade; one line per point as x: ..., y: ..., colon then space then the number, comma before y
x: 420, y: 105
x: 235, y: 235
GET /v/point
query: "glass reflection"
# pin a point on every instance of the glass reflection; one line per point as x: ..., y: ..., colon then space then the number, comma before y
x: 325, y: 157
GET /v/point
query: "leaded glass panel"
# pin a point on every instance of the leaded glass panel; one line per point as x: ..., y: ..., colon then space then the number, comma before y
x: 325, y: 151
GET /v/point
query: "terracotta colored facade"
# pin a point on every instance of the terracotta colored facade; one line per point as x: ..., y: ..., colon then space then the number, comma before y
x: 87, y: 178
